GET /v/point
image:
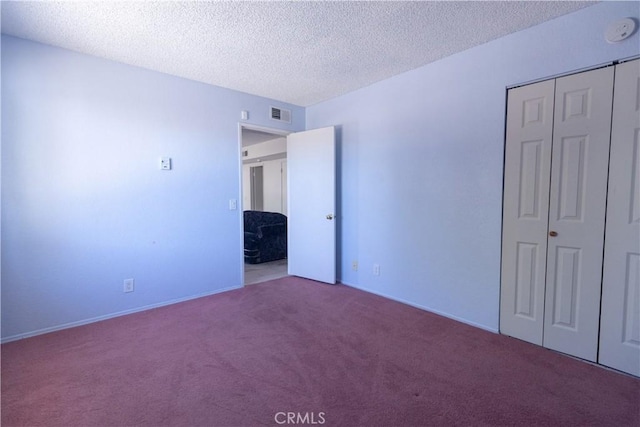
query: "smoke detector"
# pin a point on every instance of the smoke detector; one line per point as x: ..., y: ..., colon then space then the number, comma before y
x: 620, y: 30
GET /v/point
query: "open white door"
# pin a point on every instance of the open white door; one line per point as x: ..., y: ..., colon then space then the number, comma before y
x: 311, y: 198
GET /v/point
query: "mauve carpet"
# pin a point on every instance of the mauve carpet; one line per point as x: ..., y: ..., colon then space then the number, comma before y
x: 339, y: 355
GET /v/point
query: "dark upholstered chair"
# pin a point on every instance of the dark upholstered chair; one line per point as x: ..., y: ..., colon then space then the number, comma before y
x: 265, y: 236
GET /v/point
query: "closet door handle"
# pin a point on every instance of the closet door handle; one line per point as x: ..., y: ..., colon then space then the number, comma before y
x: 553, y: 233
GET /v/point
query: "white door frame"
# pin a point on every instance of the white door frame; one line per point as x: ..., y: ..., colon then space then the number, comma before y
x: 241, y: 126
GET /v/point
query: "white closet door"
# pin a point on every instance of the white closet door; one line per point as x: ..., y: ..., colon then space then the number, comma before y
x: 581, y: 135
x: 620, y: 323
x: 526, y: 207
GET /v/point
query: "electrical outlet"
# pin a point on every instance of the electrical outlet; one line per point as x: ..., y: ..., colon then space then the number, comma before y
x: 128, y: 285
x: 376, y: 269
x: 354, y: 265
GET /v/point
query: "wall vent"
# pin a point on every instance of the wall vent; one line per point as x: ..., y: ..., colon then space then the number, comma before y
x: 280, y: 114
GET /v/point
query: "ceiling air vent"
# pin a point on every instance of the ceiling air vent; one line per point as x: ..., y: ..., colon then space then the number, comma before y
x: 281, y: 115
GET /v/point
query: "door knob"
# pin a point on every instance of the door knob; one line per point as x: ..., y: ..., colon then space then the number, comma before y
x: 553, y: 233
x: 329, y: 217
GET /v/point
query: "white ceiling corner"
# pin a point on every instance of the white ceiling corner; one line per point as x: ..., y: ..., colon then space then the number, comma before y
x: 297, y: 52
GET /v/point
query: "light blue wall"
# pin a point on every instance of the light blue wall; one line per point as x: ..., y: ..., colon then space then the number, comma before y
x: 84, y: 204
x: 422, y: 163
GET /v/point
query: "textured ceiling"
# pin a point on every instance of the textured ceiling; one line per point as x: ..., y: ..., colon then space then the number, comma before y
x: 297, y: 52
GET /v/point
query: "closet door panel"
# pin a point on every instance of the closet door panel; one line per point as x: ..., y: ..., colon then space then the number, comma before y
x: 620, y: 319
x: 525, y: 210
x: 578, y: 191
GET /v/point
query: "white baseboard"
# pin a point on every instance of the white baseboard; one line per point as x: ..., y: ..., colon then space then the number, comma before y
x: 425, y: 308
x: 179, y: 300
x: 112, y: 315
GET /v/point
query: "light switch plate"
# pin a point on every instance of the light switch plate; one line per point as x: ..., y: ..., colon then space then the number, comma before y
x: 165, y: 163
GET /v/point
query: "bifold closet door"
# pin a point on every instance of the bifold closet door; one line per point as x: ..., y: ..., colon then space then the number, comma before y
x: 555, y: 193
x: 620, y: 320
x: 525, y: 210
x: 577, y: 201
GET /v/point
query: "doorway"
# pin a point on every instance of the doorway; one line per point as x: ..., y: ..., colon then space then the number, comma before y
x: 256, y: 187
x: 264, y: 203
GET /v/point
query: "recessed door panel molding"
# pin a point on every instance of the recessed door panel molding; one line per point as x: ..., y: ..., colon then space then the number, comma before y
x: 533, y: 111
x: 530, y: 165
x: 634, y: 196
x: 620, y: 319
x: 526, y: 207
x: 577, y: 104
x: 631, y: 314
x: 578, y: 196
x: 572, y: 177
x: 527, y: 255
x: 637, y: 83
x: 566, y: 285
